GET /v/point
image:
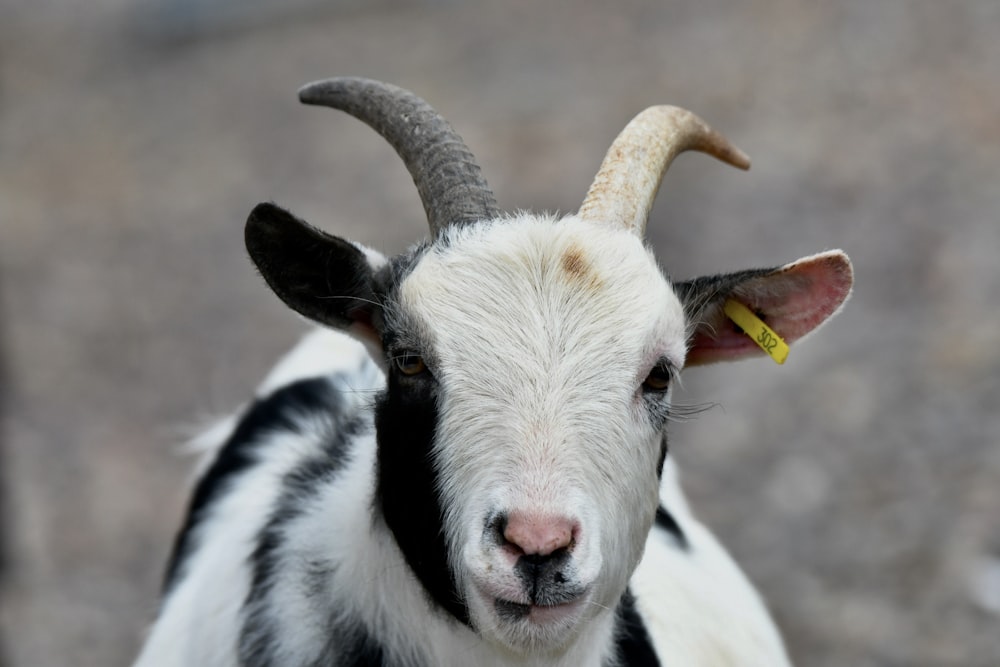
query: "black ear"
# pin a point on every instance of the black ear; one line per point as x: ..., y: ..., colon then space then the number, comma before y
x: 793, y: 300
x: 325, y: 278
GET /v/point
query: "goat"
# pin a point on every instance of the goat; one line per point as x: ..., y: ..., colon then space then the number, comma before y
x: 477, y: 473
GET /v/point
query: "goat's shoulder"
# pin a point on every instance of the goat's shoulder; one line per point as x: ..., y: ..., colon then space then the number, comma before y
x: 305, y: 430
x: 302, y: 423
x: 692, y: 600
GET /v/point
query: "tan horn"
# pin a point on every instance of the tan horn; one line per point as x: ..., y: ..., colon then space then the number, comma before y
x: 624, y: 189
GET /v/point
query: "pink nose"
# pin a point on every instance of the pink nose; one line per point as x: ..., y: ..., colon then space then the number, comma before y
x: 539, y: 534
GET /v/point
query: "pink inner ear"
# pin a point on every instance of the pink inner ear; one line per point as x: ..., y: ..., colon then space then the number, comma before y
x: 794, y: 300
x: 802, y: 295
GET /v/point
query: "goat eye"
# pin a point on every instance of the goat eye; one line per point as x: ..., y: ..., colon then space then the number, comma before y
x: 410, y: 363
x: 659, y: 378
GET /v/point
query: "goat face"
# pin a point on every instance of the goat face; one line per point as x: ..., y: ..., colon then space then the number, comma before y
x: 528, y: 364
x: 527, y: 345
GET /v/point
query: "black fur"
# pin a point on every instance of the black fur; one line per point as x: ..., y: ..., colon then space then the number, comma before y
x: 406, y: 417
x: 281, y: 411
x: 323, y: 277
x: 407, y: 494
x: 511, y: 611
x: 545, y: 577
x: 705, y: 292
x: 360, y: 650
x: 666, y: 521
x: 347, y: 646
x: 664, y: 449
x: 351, y: 645
x: 330, y: 281
x: 635, y: 648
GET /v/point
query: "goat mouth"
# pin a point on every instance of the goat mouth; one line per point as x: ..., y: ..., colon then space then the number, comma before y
x: 516, y: 612
x: 511, y: 611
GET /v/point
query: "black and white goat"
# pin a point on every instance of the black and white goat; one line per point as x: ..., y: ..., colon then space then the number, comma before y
x: 477, y: 472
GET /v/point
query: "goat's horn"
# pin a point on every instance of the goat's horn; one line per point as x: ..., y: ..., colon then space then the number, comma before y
x: 625, y: 187
x: 451, y: 186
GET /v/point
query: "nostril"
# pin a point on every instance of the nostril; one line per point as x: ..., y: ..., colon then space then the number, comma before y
x: 539, y: 534
x: 495, y: 528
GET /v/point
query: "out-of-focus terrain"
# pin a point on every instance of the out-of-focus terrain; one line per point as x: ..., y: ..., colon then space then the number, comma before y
x: 859, y: 485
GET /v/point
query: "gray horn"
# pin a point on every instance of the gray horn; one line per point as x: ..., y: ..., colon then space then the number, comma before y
x: 450, y: 183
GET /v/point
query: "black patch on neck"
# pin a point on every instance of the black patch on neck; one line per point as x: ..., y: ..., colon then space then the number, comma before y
x: 664, y: 449
x: 666, y: 521
x: 283, y: 410
x: 347, y: 646
x: 407, y: 494
x: 360, y: 650
x: 274, y: 557
x: 634, y: 646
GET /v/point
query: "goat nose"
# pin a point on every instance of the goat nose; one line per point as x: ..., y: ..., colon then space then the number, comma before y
x: 539, y: 534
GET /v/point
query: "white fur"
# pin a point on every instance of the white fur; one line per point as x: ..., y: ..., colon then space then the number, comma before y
x: 540, y: 370
x: 698, y: 606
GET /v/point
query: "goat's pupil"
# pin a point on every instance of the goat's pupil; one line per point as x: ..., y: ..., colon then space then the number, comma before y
x: 658, y: 378
x: 410, y: 364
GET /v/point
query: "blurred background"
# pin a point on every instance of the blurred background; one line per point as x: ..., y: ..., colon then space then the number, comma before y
x: 858, y: 485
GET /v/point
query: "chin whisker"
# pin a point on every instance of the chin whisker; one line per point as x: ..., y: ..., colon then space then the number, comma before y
x: 598, y: 604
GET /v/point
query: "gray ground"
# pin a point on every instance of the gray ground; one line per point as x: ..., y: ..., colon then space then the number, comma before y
x: 859, y: 484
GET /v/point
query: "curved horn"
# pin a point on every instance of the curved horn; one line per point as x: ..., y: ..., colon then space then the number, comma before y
x: 451, y: 186
x: 624, y: 188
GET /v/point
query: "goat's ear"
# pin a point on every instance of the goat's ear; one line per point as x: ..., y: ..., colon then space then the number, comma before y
x: 325, y: 278
x: 793, y: 300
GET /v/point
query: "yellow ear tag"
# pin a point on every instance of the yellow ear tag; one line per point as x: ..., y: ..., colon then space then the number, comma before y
x: 761, y: 334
